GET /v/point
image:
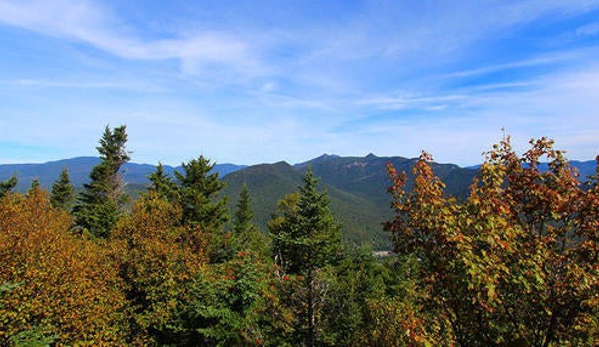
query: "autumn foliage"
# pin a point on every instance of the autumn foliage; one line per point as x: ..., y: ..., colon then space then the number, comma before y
x: 63, y: 285
x: 516, y: 263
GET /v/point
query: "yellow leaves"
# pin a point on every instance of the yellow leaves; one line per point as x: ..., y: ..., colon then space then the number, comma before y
x: 158, y: 259
x: 66, y: 285
x: 523, y: 241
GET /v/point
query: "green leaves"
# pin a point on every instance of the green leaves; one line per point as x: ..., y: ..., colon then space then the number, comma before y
x: 503, y: 263
x: 198, y: 190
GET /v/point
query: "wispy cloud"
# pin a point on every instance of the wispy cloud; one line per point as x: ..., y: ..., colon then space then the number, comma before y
x: 93, y: 84
x: 509, y: 66
x: 291, y: 80
x: 93, y: 24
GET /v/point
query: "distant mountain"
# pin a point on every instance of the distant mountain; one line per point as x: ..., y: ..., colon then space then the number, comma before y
x: 79, y: 168
x: 357, y: 187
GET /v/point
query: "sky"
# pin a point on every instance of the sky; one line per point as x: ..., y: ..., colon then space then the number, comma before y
x: 250, y: 82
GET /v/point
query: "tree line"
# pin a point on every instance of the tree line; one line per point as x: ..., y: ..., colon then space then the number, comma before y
x: 516, y: 263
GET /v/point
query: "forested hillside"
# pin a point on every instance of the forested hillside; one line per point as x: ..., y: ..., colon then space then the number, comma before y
x: 357, y: 187
x: 512, y: 260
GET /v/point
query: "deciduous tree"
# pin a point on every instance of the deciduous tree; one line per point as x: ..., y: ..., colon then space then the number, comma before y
x: 517, y: 261
x: 65, y: 286
x: 159, y: 258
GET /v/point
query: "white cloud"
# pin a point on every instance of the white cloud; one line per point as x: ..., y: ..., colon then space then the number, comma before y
x: 91, y: 23
x: 284, y: 92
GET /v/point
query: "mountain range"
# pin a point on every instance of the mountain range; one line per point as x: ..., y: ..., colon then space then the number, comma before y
x: 356, y: 185
x: 80, y: 167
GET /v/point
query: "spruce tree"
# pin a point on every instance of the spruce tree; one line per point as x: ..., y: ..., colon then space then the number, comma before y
x: 62, y: 191
x: 246, y: 235
x: 244, y: 215
x: 98, y: 206
x: 198, y: 194
x: 8, y: 185
x: 35, y: 185
x: 306, y: 241
x: 163, y: 184
x: 308, y: 237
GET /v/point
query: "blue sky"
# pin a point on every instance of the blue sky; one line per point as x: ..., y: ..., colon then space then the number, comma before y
x: 261, y: 81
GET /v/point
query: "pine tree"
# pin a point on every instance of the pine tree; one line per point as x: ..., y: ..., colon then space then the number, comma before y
x: 98, y: 206
x: 62, y: 191
x: 306, y: 241
x: 8, y: 185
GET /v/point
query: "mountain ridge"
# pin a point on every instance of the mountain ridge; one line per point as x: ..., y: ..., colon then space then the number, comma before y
x: 80, y: 167
x: 357, y: 186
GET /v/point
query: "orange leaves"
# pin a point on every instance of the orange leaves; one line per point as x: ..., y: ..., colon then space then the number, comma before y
x: 65, y: 285
x: 510, y: 255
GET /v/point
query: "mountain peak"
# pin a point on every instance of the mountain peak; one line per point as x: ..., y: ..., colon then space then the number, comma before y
x: 323, y: 158
x: 326, y: 157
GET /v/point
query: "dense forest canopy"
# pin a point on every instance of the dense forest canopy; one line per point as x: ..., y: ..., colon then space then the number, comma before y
x: 513, y: 262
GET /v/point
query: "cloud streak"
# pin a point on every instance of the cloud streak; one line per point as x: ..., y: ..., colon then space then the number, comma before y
x: 93, y: 24
x: 290, y: 81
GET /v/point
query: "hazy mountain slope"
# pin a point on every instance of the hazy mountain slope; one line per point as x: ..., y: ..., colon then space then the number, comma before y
x: 80, y: 167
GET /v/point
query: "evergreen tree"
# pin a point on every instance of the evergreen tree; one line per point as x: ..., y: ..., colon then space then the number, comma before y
x: 307, y: 241
x: 198, y: 194
x: 309, y: 237
x: 8, y: 185
x: 243, y: 212
x: 245, y: 234
x: 35, y: 185
x: 99, y: 204
x: 62, y: 191
x: 163, y: 184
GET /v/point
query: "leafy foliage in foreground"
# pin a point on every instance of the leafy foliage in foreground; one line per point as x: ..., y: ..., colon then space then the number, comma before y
x: 66, y: 286
x: 516, y: 263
